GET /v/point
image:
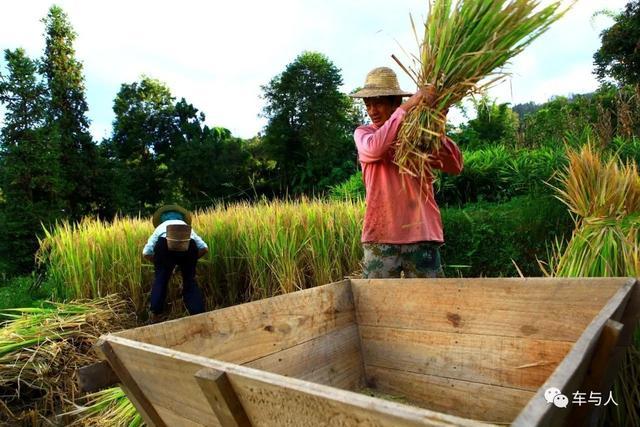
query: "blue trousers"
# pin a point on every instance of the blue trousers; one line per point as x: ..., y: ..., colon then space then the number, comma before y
x: 165, y: 261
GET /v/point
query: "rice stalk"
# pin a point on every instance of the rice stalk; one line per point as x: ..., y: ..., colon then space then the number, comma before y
x: 41, y: 348
x: 109, y: 407
x: 255, y: 251
x: 604, y: 196
x: 464, y: 45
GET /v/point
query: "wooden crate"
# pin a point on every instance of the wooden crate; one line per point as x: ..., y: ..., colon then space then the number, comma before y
x: 465, y: 352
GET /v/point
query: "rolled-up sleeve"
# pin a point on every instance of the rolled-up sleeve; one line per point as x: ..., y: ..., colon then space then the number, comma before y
x: 151, y: 243
x: 450, y: 156
x: 198, y: 240
x: 373, y: 144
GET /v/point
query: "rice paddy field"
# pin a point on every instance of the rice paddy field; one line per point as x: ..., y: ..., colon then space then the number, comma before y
x: 98, y: 282
x: 255, y: 251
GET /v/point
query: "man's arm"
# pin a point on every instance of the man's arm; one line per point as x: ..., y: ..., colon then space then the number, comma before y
x: 147, y: 251
x: 372, y: 146
x: 203, y: 248
x: 426, y: 94
x: 448, y: 158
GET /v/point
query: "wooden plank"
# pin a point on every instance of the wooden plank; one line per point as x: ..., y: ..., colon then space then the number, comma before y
x: 96, y: 376
x: 465, y: 399
x: 535, y: 308
x: 333, y: 359
x: 173, y: 419
x: 167, y: 379
x: 129, y: 385
x: 504, y: 361
x: 247, y: 332
x: 223, y: 400
x: 597, y: 369
x: 629, y: 319
x: 309, y: 405
x: 630, y: 316
x: 569, y: 375
x: 168, y: 382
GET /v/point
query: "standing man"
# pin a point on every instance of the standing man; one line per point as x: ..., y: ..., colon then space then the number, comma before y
x: 402, y: 229
x: 164, y: 260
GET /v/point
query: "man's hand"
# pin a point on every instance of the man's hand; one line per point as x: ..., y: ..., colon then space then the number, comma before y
x: 148, y: 257
x: 202, y: 252
x: 425, y: 95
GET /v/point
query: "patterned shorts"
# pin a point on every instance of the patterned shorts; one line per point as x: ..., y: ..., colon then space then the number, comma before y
x: 382, y: 260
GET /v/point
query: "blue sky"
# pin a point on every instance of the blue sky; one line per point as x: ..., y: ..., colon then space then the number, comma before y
x: 218, y: 54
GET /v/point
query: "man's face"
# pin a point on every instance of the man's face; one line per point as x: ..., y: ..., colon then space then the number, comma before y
x: 380, y: 108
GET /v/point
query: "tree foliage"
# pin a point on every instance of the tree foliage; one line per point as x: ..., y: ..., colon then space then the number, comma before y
x: 619, y: 55
x: 162, y: 152
x: 142, y: 136
x: 309, y: 133
x: 493, y: 123
x: 66, y: 118
x: 29, y: 174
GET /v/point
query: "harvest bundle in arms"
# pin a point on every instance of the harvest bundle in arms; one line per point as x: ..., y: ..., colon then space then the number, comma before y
x: 465, y: 45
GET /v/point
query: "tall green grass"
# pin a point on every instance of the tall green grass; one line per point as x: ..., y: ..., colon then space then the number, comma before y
x: 494, y: 173
x: 255, y: 251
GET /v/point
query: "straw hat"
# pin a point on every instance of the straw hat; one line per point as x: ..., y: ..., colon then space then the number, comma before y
x: 381, y: 81
x: 171, y: 208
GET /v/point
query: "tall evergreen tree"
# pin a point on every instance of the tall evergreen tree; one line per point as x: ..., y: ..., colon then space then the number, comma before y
x: 67, y: 122
x: 29, y: 172
x: 309, y: 133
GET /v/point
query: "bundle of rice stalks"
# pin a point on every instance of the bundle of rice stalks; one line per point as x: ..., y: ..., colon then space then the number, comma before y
x: 109, y: 407
x: 465, y: 43
x: 41, y: 348
x: 605, y: 196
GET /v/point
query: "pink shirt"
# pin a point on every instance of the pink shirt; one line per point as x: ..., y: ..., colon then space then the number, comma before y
x: 396, y: 211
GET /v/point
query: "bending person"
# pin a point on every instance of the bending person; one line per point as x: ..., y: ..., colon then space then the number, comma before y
x: 164, y: 260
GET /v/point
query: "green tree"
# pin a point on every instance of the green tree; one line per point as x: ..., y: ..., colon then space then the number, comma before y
x: 523, y: 110
x: 67, y: 122
x: 310, y: 125
x: 29, y: 173
x: 493, y: 123
x: 553, y: 121
x: 143, y: 131
x: 211, y: 165
x: 619, y: 54
x: 162, y: 152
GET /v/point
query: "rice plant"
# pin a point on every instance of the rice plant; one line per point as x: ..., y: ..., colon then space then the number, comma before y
x: 255, y: 251
x: 41, y: 348
x: 604, y: 196
x: 108, y: 407
x: 463, y: 47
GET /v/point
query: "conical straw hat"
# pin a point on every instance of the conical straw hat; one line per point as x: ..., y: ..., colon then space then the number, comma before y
x: 381, y: 81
